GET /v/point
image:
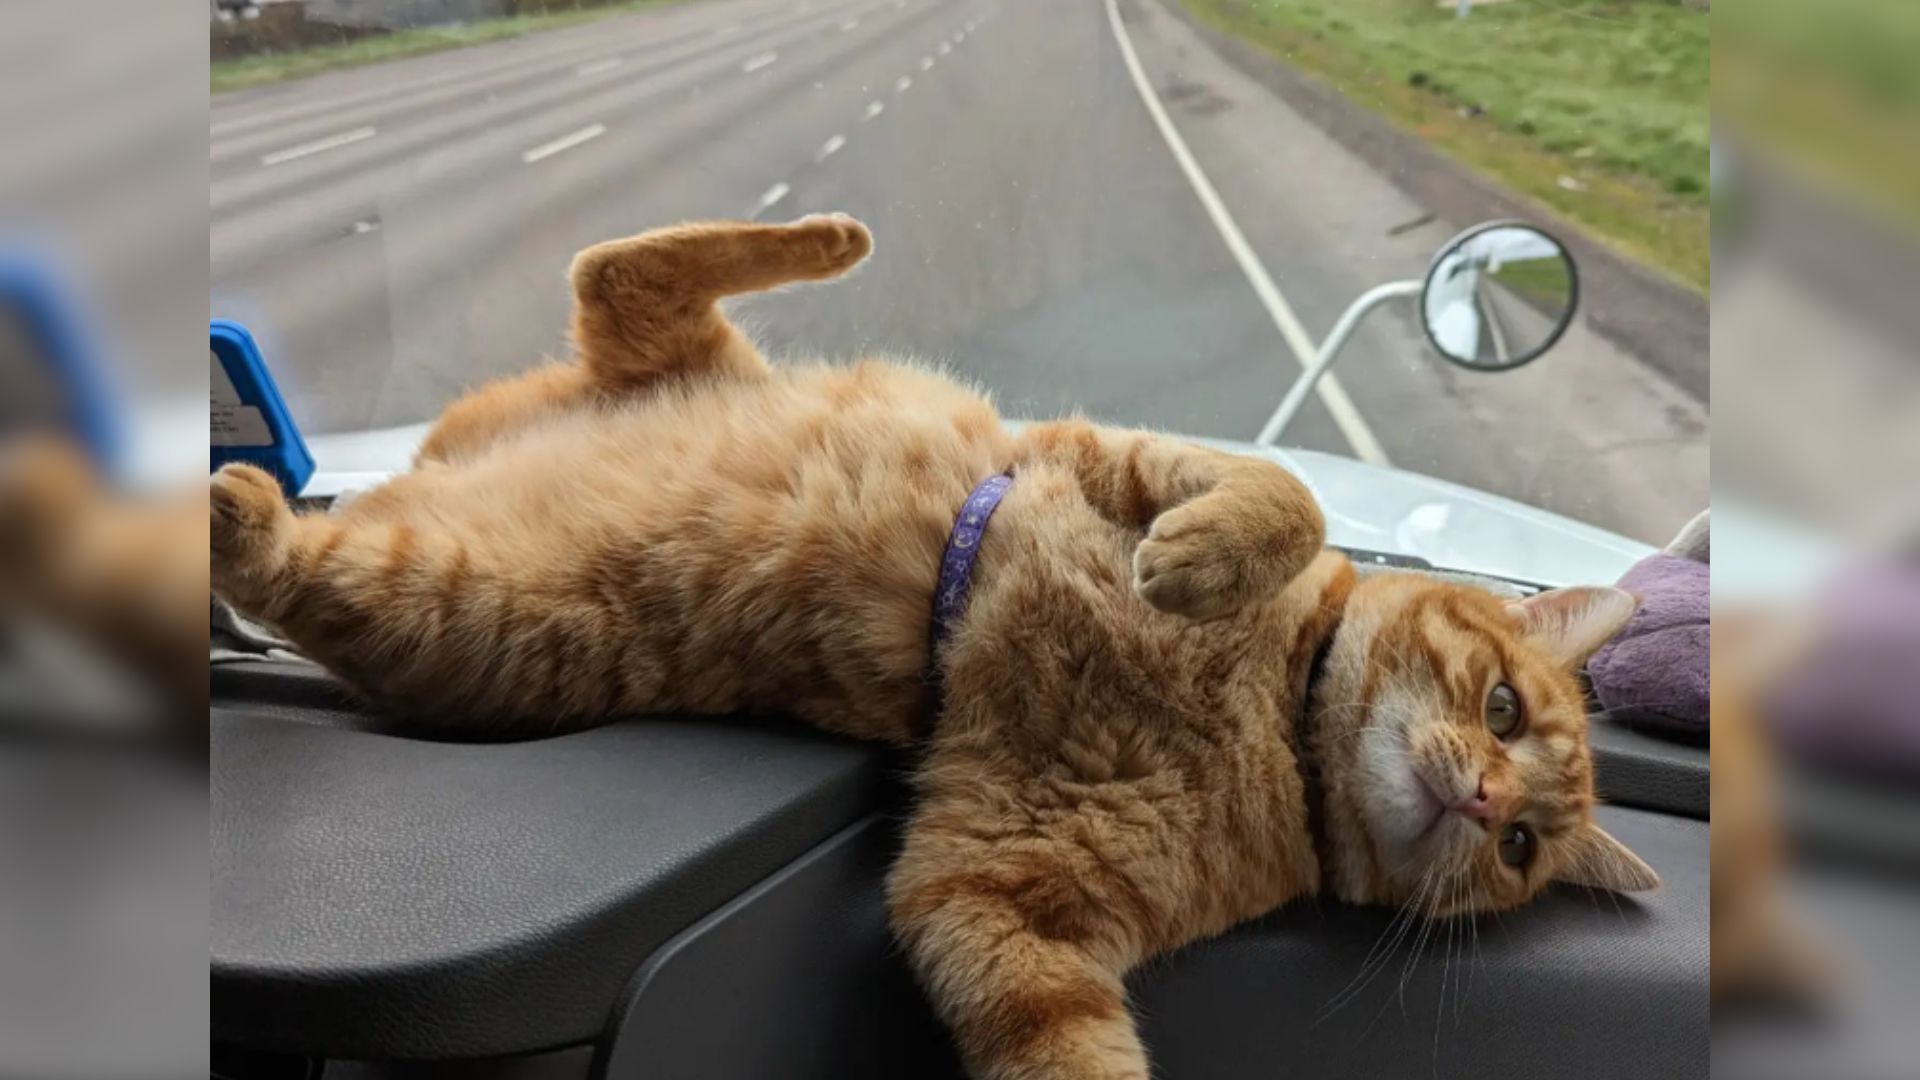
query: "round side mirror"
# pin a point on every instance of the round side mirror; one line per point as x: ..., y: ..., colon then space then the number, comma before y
x: 1499, y: 295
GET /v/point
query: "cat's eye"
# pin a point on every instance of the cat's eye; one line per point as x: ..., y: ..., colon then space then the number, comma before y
x: 1505, y: 718
x: 1516, y: 845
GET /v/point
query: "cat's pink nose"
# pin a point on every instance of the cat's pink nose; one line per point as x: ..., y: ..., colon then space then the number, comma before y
x: 1483, y: 806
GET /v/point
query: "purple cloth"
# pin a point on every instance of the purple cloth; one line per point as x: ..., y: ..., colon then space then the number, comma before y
x: 963, y: 545
x: 1850, y: 699
x: 1655, y: 671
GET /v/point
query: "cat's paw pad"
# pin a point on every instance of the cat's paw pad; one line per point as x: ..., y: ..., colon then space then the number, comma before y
x: 1190, y: 566
x: 835, y: 242
x: 245, y: 512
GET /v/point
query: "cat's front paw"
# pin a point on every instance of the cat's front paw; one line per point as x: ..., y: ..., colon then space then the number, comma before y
x: 1194, y: 564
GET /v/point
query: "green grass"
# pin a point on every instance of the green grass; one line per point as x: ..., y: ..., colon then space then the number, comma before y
x: 1611, y: 95
x: 1830, y: 90
x: 258, y: 70
x: 1540, y: 283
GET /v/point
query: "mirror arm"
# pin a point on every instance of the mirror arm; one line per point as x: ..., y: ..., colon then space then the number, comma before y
x: 1329, y: 351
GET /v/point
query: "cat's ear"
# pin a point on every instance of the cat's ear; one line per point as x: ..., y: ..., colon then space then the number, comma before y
x: 1595, y: 859
x: 1569, y: 624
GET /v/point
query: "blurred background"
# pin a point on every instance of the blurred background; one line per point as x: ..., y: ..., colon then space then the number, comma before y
x: 103, y: 863
x: 1816, y: 440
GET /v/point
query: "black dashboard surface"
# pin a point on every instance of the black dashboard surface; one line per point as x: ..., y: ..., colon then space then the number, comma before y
x: 382, y: 897
x: 397, y: 899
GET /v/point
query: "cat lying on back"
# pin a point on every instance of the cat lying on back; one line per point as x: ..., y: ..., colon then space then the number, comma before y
x: 1165, y: 708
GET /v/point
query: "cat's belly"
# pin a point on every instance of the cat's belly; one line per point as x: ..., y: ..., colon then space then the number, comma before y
x: 768, y: 545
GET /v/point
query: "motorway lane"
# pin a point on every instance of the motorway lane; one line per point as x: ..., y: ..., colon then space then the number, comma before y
x: 1032, y: 228
x: 1034, y: 231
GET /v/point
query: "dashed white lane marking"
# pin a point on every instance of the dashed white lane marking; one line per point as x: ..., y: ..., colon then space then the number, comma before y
x: 723, y: 31
x: 772, y: 195
x: 874, y: 108
x: 959, y: 37
x: 318, y: 146
x: 850, y: 24
x: 755, y: 63
x: 1332, y: 394
x: 902, y: 84
x: 944, y: 49
x: 598, y: 67
x: 563, y: 143
x: 926, y: 63
x: 830, y: 147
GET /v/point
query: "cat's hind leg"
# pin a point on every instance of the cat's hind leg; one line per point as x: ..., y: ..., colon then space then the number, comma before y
x: 249, y: 529
x: 422, y: 616
x: 647, y: 306
x: 364, y: 595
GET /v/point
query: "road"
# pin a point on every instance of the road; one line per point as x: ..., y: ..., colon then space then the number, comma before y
x: 399, y: 232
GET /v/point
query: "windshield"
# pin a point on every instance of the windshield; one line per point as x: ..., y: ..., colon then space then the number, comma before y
x: 1151, y: 212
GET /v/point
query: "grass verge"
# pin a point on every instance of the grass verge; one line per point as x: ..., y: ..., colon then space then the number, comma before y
x: 1830, y: 91
x: 261, y: 69
x: 1597, y: 108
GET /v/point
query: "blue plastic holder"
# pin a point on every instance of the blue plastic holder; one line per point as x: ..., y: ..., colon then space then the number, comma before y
x: 58, y: 337
x: 248, y: 419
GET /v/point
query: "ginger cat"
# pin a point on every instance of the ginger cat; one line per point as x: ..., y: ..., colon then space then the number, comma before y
x: 124, y: 576
x: 1164, y: 710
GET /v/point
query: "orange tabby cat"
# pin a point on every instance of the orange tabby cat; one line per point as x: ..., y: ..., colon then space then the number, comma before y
x: 1111, y: 766
x: 125, y: 576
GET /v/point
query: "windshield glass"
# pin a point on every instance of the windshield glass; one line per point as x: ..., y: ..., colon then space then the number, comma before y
x: 1150, y: 211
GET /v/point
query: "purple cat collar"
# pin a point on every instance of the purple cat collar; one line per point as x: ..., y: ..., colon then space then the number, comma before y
x: 963, y: 545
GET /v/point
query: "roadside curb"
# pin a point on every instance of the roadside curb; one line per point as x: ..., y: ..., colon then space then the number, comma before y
x: 1663, y: 323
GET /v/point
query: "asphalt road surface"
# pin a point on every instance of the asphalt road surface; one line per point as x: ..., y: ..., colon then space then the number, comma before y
x: 1077, y: 205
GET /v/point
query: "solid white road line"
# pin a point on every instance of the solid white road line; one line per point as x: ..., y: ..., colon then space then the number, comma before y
x: 598, y: 67
x: 773, y: 195
x: 318, y: 146
x: 1332, y: 394
x: 902, y: 84
x: 755, y: 63
x: 830, y: 147
x: 874, y: 108
x: 564, y: 142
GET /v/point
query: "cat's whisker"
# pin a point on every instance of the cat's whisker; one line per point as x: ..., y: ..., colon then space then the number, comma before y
x: 1440, y: 1002
x: 1473, y: 924
x: 1420, y: 944
x: 1381, y: 1011
x: 1376, y: 960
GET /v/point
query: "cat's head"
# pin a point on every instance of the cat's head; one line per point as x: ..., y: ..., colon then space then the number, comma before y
x: 1451, y: 731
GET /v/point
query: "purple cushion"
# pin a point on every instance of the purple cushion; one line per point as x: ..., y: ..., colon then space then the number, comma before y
x: 1655, y: 671
x: 1849, y: 700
